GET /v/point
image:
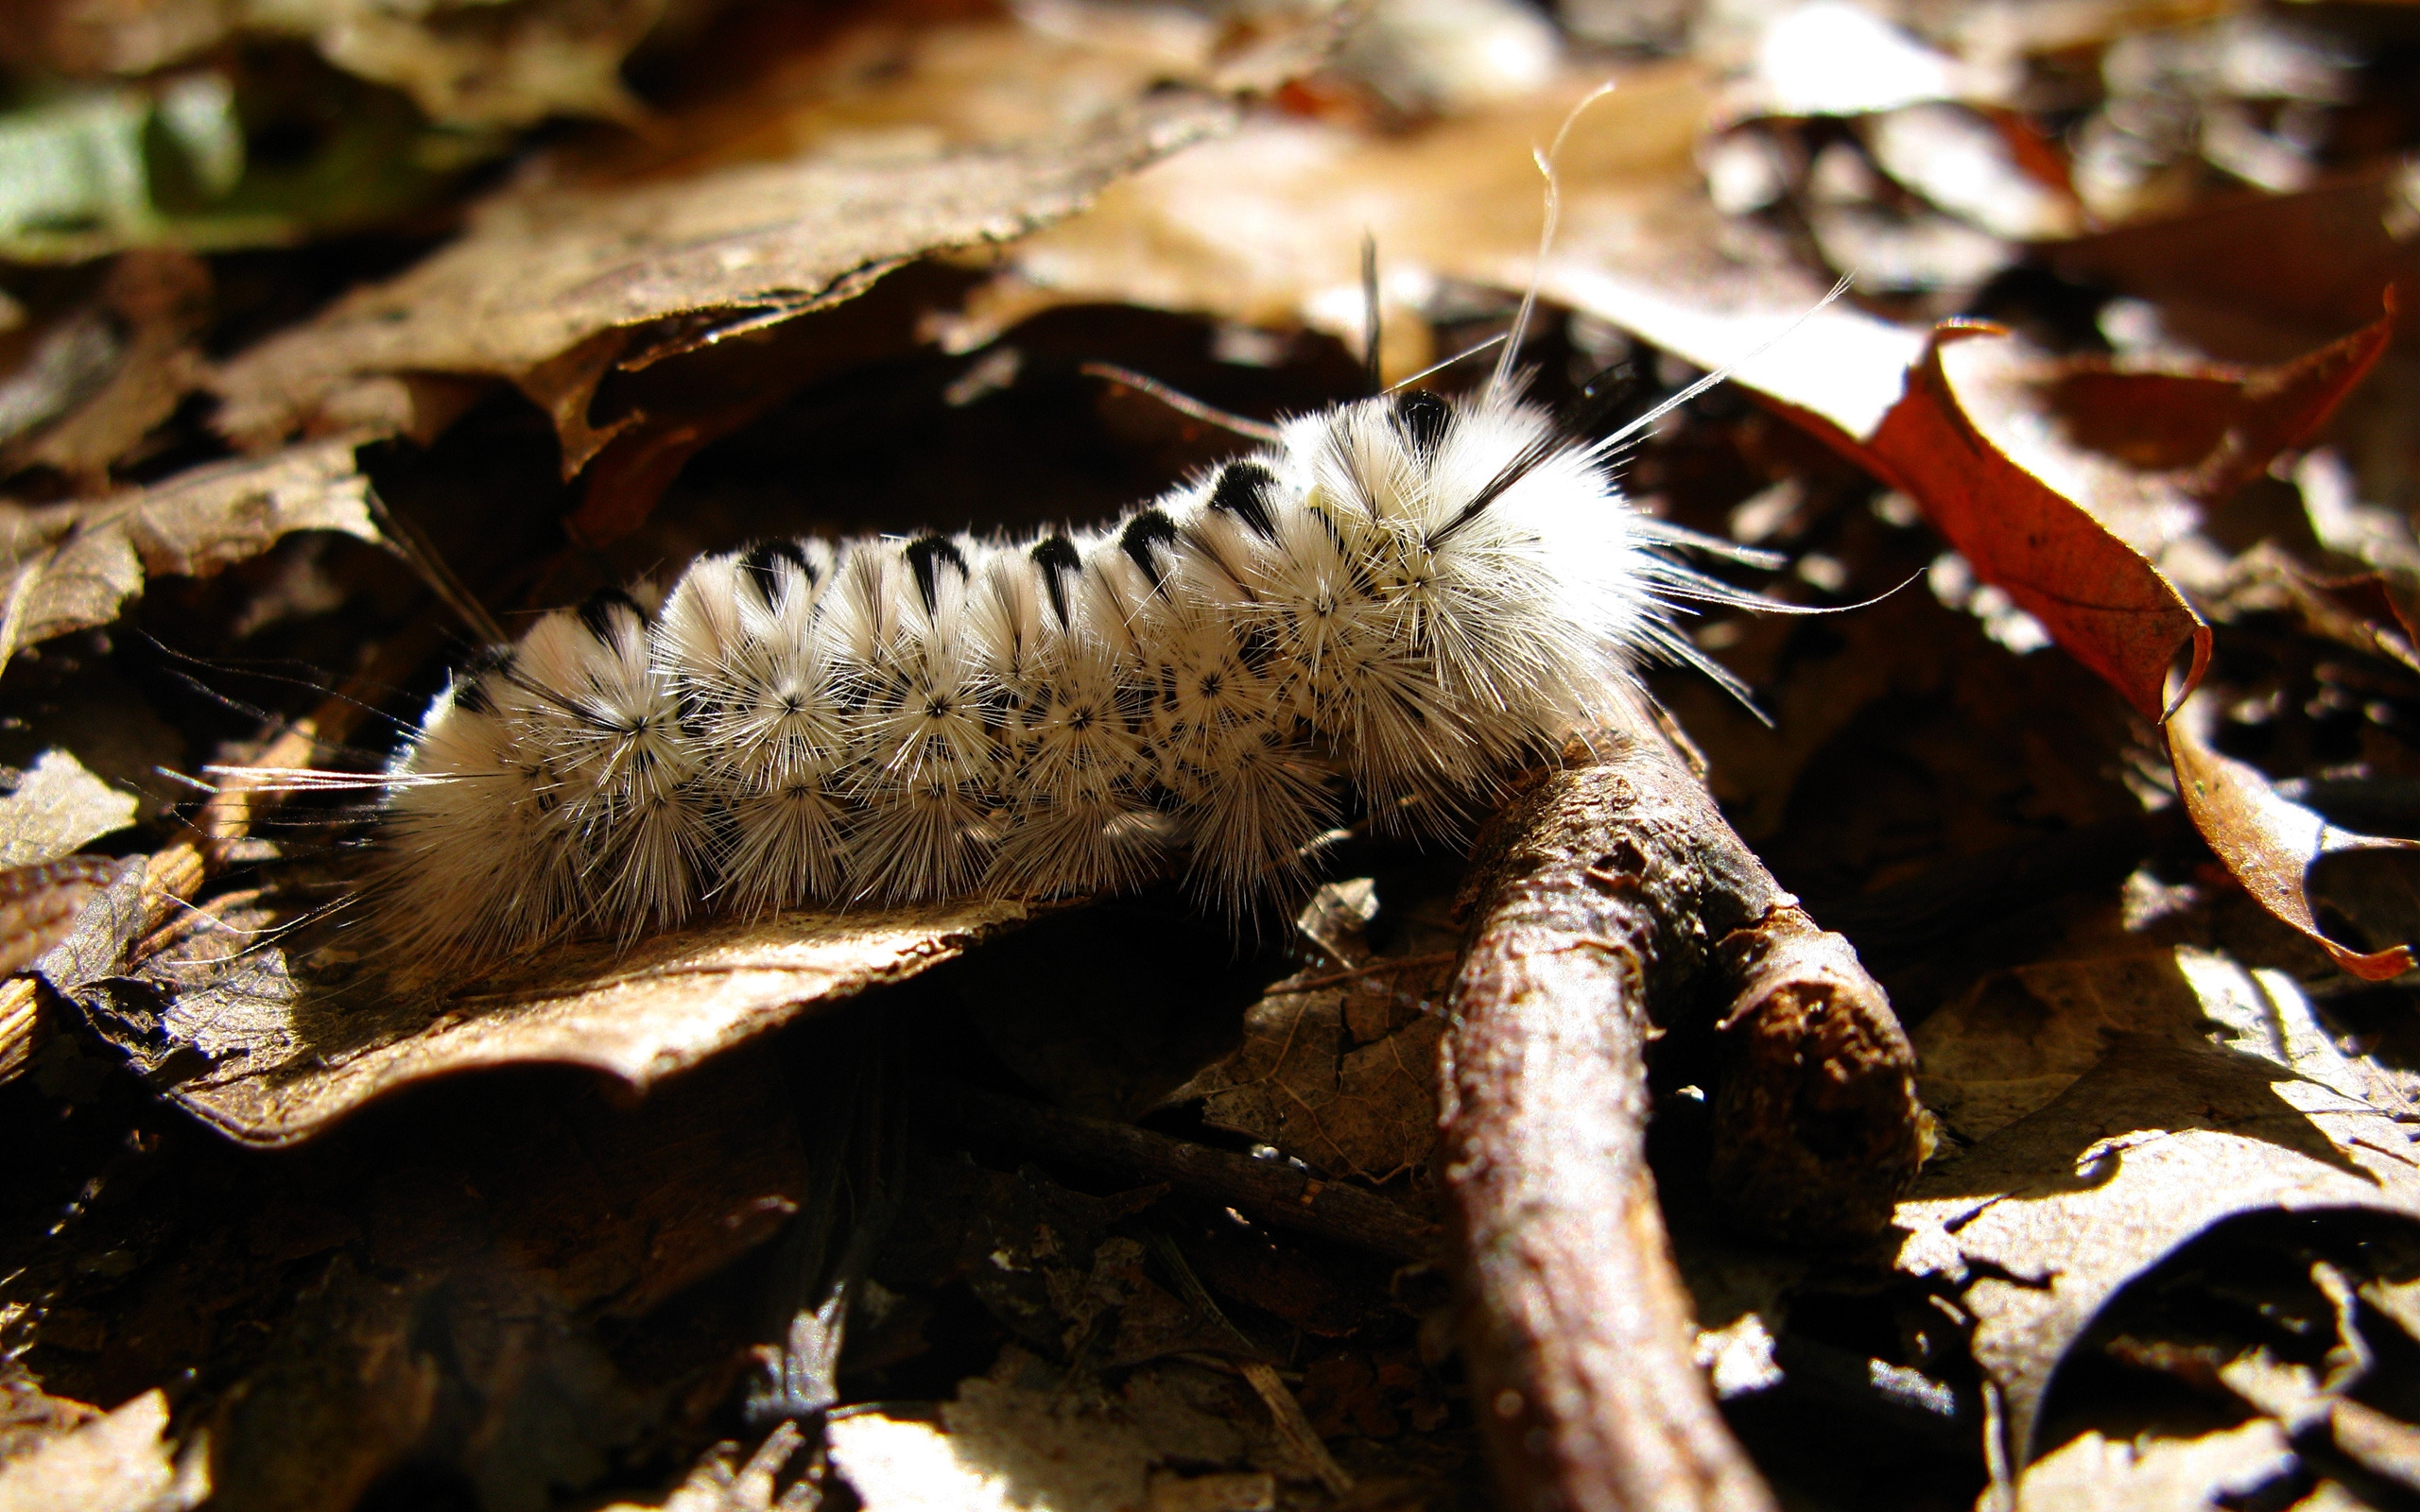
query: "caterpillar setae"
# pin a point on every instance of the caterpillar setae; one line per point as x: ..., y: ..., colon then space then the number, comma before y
x: 1410, y: 594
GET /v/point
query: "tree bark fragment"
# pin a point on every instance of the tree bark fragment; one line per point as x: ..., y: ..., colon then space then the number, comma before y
x: 1612, y: 900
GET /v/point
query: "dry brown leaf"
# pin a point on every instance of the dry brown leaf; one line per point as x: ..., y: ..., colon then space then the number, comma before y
x: 2217, y: 427
x: 61, y: 576
x: 478, y: 63
x: 227, y: 1034
x: 68, y: 567
x: 2270, y: 843
x: 57, y: 809
x: 161, y: 298
x: 2215, y: 1090
x: 1886, y: 398
x: 1266, y: 227
x: 118, y: 1463
x: 2365, y: 611
x: 1299, y: 1081
x: 542, y: 270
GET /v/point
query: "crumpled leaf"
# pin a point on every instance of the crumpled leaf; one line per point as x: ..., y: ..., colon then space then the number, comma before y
x: 57, y: 809
x: 271, y: 1060
x: 68, y: 567
x: 542, y: 270
x: 2217, y: 427
x: 2217, y: 1092
x: 121, y: 1462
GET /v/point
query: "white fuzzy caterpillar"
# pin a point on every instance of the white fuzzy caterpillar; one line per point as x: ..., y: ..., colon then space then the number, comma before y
x: 1412, y: 594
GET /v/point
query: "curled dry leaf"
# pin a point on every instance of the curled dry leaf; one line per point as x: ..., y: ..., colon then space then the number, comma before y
x: 2075, y: 561
x: 72, y: 566
x: 2214, y: 428
x: 121, y: 1462
x: 544, y: 273
x: 2270, y: 843
x: 2182, y: 1089
x: 229, y: 1034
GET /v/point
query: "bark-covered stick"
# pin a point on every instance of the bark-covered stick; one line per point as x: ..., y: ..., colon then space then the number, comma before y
x: 1607, y: 892
x: 1816, y: 1127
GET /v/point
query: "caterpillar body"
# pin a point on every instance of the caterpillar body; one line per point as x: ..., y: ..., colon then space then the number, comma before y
x: 1412, y: 595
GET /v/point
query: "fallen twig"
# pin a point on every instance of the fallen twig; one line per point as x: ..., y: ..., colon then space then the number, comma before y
x: 1271, y: 1191
x: 1607, y: 891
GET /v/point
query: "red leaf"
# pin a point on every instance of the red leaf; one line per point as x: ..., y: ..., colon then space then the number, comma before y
x: 2217, y: 427
x: 2204, y: 432
x: 2097, y: 596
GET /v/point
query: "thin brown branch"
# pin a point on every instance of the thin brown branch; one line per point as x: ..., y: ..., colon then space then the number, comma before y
x: 1270, y: 1190
x: 1607, y: 893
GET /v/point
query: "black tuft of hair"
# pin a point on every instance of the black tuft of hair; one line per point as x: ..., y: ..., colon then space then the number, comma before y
x: 1242, y: 491
x: 926, y: 557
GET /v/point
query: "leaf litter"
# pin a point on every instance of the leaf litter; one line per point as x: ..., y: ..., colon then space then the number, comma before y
x: 2165, y: 1260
